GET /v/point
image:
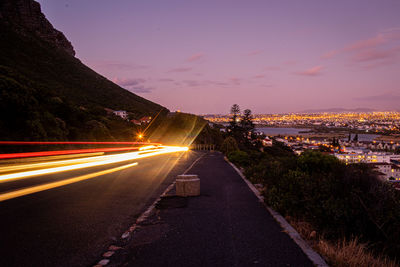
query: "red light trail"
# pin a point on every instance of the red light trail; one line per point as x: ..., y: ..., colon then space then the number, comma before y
x: 73, y: 143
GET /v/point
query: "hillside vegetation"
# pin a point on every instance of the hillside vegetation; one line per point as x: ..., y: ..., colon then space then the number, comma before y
x: 48, y: 94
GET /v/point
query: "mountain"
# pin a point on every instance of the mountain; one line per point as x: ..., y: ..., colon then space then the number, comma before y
x: 48, y: 94
x: 337, y: 110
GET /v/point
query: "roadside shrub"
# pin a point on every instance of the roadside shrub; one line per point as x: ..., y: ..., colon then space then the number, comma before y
x: 229, y: 145
x: 239, y: 158
x: 339, y: 200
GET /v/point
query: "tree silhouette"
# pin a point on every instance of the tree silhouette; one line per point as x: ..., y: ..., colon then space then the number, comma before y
x: 247, y: 121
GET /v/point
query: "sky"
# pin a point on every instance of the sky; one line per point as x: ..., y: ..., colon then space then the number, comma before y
x: 269, y: 56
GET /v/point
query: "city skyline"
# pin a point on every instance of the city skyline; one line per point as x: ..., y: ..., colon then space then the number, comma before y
x: 275, y: 57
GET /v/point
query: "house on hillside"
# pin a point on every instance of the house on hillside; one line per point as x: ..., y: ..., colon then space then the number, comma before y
x: 121, y: 113
x: 389, y: 171
x: 267, y: 142
x: 136, y: 122
x: 146, y: 119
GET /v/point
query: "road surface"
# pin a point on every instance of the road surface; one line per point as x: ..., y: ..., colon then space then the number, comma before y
x: 225, y: 226
x: 72, y: 225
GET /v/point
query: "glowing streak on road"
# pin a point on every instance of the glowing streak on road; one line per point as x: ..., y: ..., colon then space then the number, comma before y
x: 73, y: 143
x: 78, y: 158
x: 65, y: 152
x: 94, y: 161
x: 146, y: 147
x: 39, y: 188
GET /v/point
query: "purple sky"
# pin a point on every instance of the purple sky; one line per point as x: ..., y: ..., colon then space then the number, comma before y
x: 269, y: 56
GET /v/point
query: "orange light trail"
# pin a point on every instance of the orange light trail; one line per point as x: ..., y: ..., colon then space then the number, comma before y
x: 39, y: 188
x: 49, y: 161
x: 73, y: 143
x: 64, y: 152
x: 81, y: 163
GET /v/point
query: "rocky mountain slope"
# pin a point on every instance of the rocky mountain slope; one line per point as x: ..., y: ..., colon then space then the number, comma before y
x: 48, y: 94
x: 26, y: 17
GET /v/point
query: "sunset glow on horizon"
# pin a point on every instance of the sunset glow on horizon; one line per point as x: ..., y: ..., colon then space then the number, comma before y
x: 269, y: 56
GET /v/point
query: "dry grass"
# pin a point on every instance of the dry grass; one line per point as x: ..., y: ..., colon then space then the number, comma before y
x: 349, y: 253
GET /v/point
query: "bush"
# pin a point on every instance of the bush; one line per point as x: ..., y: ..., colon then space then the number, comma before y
x: 239, y: 158
x: 229, y: 145
x: 339, y: 200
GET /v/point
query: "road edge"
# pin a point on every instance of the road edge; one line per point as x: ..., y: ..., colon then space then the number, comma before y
x: 316, y: 259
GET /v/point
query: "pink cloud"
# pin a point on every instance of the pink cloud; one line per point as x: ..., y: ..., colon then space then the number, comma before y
x: 259, y: 76
x: 374, y: 54
x: 116, y: 65
x: 368, y: 43
x: 195, y: 57
x: 382, y: 47
x: 180, y: 70
x: 254, y: 52
x: 290, y: 62
x: 330, y: 54
x: 272, y: 68
x: 314, y: 71
x: 378, y: 64
x: 133, y: 85
x: 166, y: 80
x: 128, y: 82
x: 235, y: 80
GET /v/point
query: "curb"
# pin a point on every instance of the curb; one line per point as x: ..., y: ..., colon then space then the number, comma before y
x: 311, y: 254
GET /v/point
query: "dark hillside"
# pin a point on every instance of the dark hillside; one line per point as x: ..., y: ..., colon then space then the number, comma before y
x: 47, y: 93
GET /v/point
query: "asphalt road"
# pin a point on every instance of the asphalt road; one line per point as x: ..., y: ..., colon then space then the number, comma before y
x: 74, y: 224
x: 225, y: 226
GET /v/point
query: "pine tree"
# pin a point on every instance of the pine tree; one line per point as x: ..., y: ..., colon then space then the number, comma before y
x: 235, y: 111
x: 247, y: 121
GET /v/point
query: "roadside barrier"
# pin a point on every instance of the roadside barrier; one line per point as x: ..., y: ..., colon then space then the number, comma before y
x: 187, y: 185
x: 208, y: 147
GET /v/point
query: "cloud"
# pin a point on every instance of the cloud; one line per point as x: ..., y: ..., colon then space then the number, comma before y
x: 196, y: 83
x: 166, y: 80
x: 193, y: 83
x: 141, y: 89
x: 290, y: 62
x: 259, y: 76
x: 116, y: 65
x: 195, y: 57
x: 254, y: 52
x: 330, y: 54
x: 273, y: 68
x: 235, y: 80
x: 375, y: 54
x: 314, y: 71
x: 367, y: 43
x: 220, y: 83
x: 379, y: 50
x: 128, y: 82
x: 385, y: 97
x: 183, y: 69
x: 133, y: 85
x: 381, y: 63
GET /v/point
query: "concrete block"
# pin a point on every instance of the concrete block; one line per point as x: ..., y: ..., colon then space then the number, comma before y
x: 187, y: 185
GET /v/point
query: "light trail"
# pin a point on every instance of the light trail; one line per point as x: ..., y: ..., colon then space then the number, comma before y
x: 6, y: 162
x: 73, y: 143
x: 64, y: 152
x: 87, y: 157
x: 92, y: 162
x: 146, y: 147
x: 39, y: 188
